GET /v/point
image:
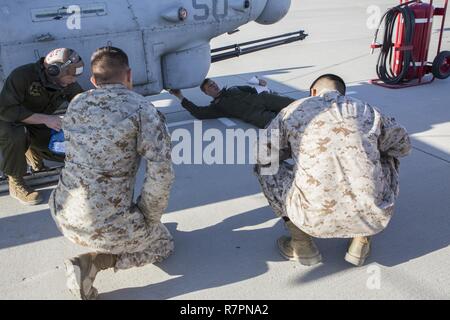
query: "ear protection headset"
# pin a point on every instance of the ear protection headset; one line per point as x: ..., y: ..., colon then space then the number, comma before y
x: 55, y: 69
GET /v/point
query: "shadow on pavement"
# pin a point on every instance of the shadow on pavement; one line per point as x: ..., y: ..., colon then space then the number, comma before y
x: 212, y: 257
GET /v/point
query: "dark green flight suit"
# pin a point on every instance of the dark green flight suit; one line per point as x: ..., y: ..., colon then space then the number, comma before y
x: 27, y: 91
x: 242, y: 102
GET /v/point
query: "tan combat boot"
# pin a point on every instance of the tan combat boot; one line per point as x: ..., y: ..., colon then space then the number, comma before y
x: 34, y: 160
x: 82, y: 270
x: 19, y: 190
x: 299, y: 247
x: 358, y: 251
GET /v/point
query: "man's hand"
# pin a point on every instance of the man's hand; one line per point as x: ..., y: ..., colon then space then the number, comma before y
x: 53, y: 122
x: 177, y: 93
x: 262, y: 82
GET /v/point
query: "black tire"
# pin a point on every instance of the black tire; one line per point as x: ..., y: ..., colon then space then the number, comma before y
x: 441, y: 65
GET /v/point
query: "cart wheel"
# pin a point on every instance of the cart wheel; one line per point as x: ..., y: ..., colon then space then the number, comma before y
x: 441, y: 65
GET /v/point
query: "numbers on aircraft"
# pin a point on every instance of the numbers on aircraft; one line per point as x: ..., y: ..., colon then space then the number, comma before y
x: 219, y: 10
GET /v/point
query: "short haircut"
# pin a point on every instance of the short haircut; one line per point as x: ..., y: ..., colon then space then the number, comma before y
x: 108, y: 65
x: 329, y: 81
x: 204, y: 83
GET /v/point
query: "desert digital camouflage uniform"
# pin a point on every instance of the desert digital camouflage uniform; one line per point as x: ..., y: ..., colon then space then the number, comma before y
x: 345, y: 177
x: 107, y: 130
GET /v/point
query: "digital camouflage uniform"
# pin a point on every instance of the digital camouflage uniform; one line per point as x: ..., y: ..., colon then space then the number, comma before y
x: 345, y: 177
x: 27, y: 91
x: 107, y: 131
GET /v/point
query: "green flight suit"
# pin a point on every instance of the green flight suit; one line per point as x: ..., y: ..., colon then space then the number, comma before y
x: 242, y: 102
x: 27, y: 91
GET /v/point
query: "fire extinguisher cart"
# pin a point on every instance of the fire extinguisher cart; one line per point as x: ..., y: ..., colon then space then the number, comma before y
x: 405, y: 62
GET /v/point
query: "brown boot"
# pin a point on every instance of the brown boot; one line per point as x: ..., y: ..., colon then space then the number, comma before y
x: 358, y: 251
x: 82, y: 270
x: 19, y: 190
x: 299, y: 247
x: 34, y: 160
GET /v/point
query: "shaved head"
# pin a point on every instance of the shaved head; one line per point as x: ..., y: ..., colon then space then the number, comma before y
x: 328, y: 82
x: 109, y: 65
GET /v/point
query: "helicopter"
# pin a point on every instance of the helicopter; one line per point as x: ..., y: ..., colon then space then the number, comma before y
x: 167, y: 41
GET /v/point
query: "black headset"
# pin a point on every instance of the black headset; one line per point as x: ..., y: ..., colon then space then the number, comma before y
x: 55, y: 69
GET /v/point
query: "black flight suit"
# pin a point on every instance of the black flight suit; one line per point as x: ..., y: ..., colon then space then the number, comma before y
x: 242, y: 102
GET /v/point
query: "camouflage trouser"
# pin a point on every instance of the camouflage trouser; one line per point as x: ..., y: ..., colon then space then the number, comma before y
x: 157, y: 250
x: 275, y: 187
x: 151, y: 241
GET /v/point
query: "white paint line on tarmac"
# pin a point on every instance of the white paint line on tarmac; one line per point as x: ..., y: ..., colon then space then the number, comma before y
x: 180, y: 123
x: 227, y: 122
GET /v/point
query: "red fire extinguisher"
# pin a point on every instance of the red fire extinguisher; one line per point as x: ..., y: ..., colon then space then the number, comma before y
x: 423, y: 24
x: 404, y: 55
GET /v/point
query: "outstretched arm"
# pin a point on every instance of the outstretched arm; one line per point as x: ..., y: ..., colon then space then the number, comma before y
x: 209, y: 112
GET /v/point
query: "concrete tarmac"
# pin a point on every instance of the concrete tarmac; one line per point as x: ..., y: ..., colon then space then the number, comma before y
x: 224, y: 230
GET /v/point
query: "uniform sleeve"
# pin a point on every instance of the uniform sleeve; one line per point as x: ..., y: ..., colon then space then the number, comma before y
x: 394, y: 139
x: 210, y: 112
x: 11, y: 99
x: 154, y: 145
x: 273, y: 143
